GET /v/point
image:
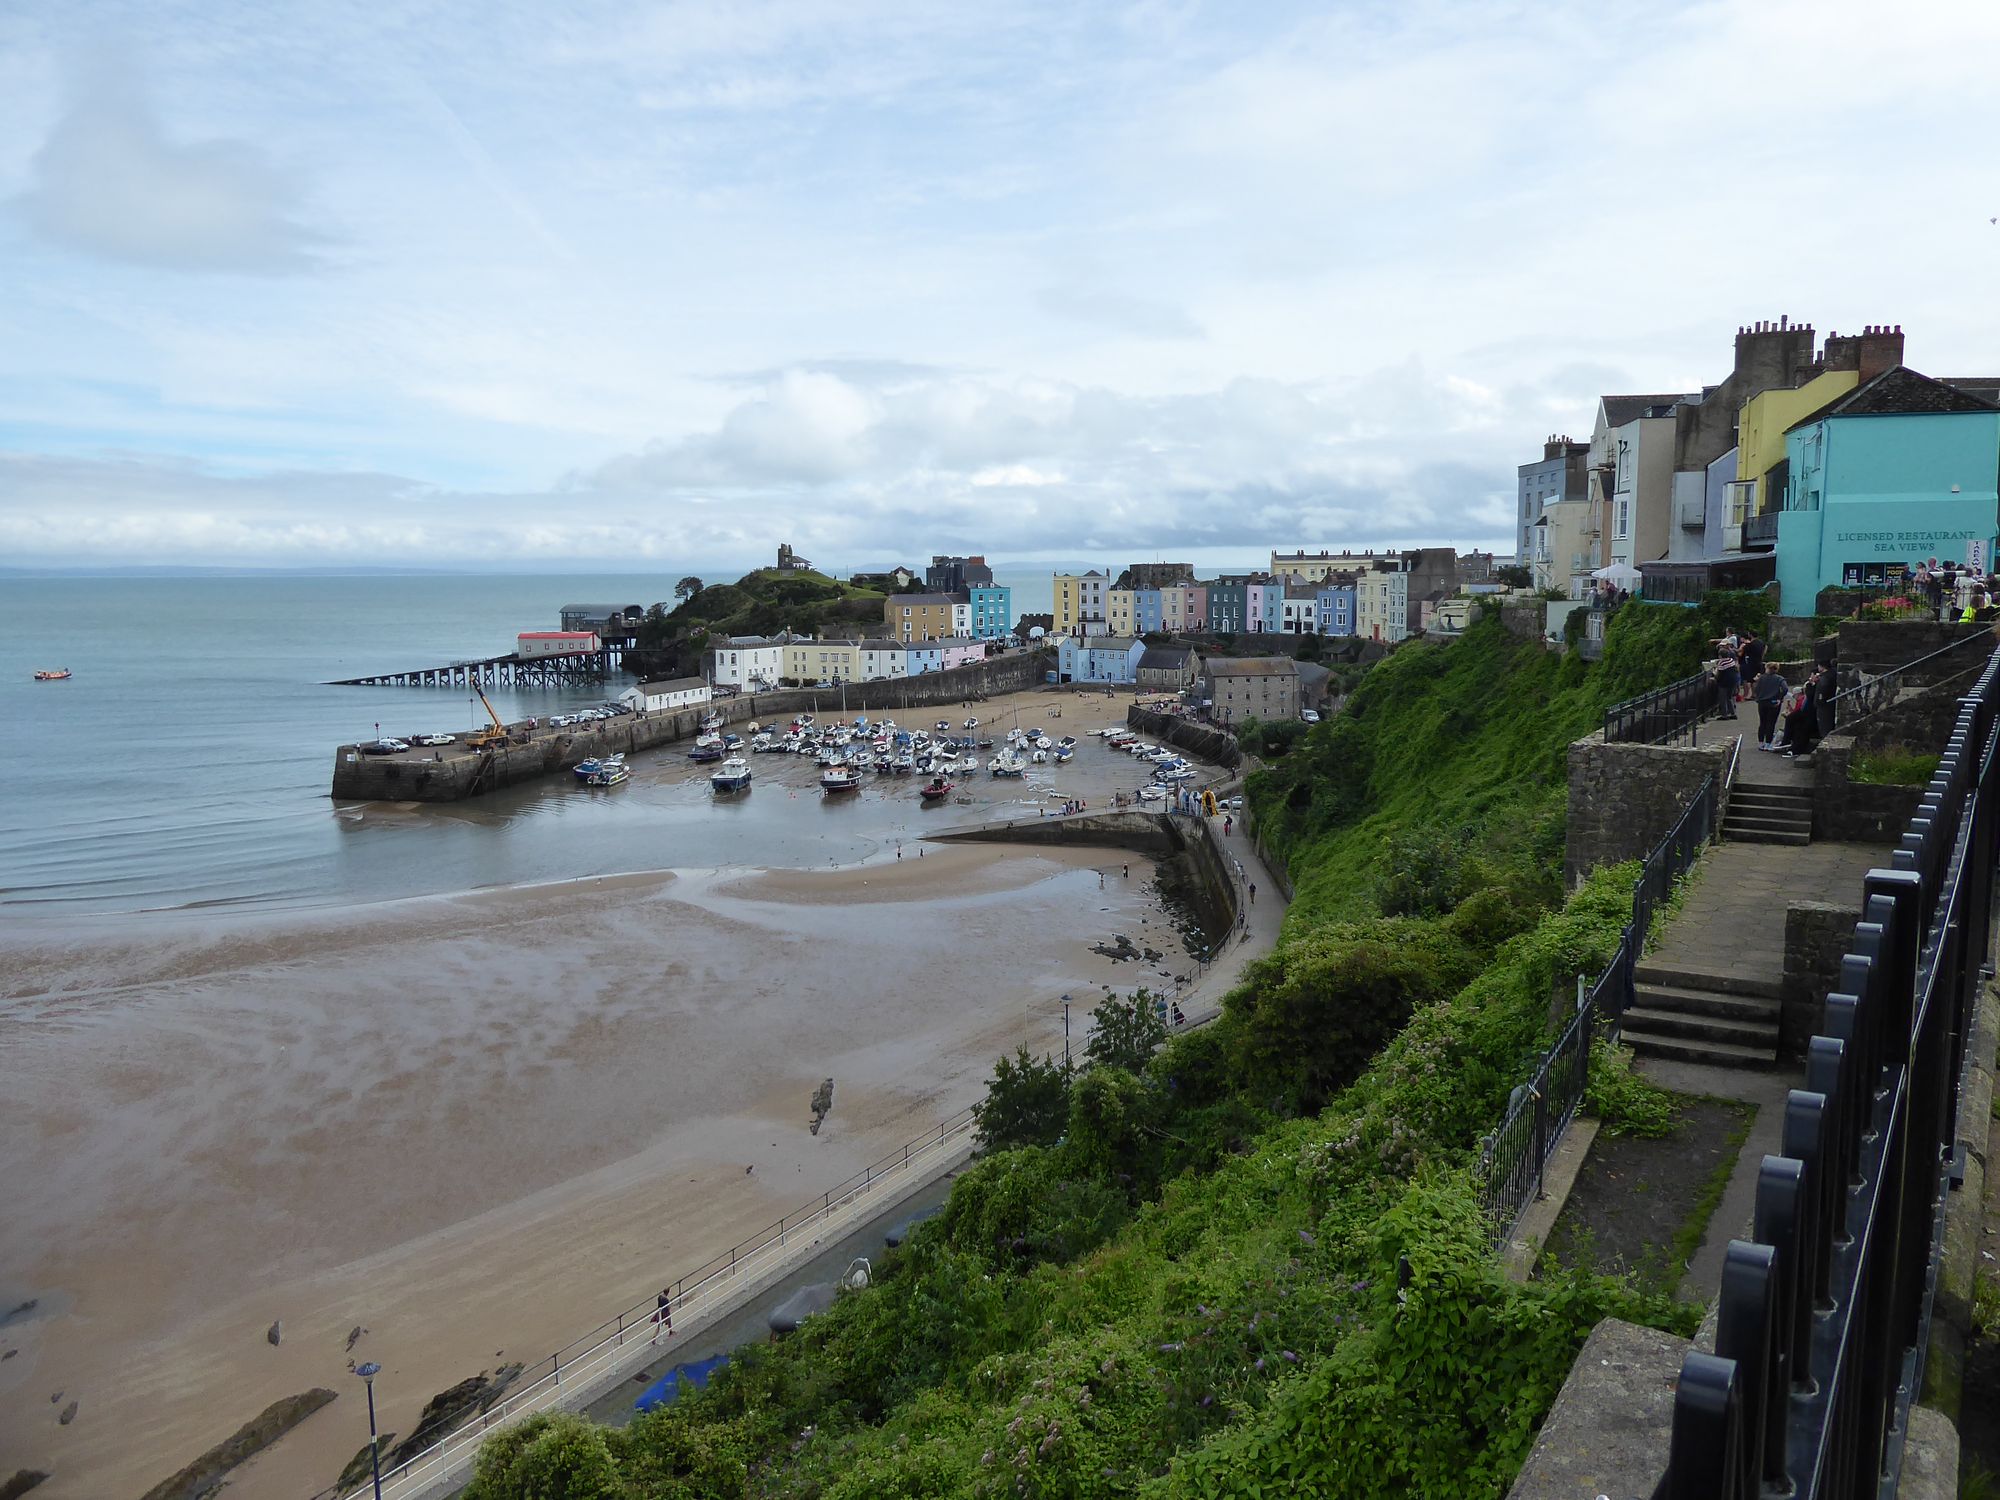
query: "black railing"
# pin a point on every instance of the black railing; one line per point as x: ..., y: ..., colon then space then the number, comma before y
x: 1514, y: 1158
x: 1863, y: 695
x: 1665, y: 716
x: 1825, y: 1312
x: 1761, y: 530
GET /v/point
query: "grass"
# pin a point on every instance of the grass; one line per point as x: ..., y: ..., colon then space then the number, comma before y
x: 1694, y: 1228
x: 1893, y: 768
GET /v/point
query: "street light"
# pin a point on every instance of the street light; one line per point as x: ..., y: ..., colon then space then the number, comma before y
x: 368, y: 1372
x: 1065, y: 1031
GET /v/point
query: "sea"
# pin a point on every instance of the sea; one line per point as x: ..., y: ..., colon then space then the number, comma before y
x: 187, y: 761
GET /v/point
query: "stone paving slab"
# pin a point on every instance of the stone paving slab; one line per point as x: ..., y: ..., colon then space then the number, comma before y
x: 1754, y: 766
x: 1733, y: 921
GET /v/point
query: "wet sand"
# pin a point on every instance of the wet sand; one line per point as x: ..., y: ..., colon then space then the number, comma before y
x: 474, y: 1124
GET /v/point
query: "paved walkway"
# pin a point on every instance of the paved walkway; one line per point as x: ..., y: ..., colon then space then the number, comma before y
x: 1758, y: 767
x: 1733, y: 920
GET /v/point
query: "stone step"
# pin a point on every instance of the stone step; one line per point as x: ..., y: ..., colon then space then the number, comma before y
x: 1763, y: 794
x: 1765, y: 836
x: 1711, y: 1054
x: 1758, y: 1008
x: 1769, y: 822
x: 1680, y: 977
x: 1698, y: 1028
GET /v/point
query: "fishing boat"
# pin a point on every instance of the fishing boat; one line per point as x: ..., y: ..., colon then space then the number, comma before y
x: 763, y: 744
x: 705, y: 753
x: 585, y: 769
x: 609, y: 774
x: 1061, y: 753
x: 838, y: 779
x: 1007, y: 763
x: 731, y: 776
x: 54, y: 674
x: 938, y: 789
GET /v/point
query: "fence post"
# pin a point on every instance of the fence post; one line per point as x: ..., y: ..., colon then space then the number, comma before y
x: 1541, y: 1138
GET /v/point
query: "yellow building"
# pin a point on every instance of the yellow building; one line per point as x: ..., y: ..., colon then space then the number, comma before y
x: 1121, y: 608
x: 1079, y: 603
x: 824, y: 661
x: 1760, y: 437
x: 919, y: 617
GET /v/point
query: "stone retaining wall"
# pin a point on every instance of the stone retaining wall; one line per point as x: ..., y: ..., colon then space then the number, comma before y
x: 1623, y: 799
x: 1217, y: 746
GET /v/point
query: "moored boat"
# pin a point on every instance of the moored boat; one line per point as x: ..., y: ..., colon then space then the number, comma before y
x: 609, y: 774
x: 731, y: 776
x: 838, y: 779
x: 54, y: 674
x: 938, y: 789
x: 585, y: 769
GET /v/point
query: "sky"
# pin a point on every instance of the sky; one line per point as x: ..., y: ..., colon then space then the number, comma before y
x: 662, y: 285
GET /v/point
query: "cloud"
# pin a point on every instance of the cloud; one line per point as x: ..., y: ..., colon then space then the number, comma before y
x: 1120, y: 312
x: 109, y: 181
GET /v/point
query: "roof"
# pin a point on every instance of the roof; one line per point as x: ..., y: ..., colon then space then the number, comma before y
x: 1900, y: 392
x: 1252, y: 666
x: 1165, y: 658
x: 751, y: 640
x: 1312, y: 675
x: 1618, y: 410
x: 556, y: 635
x: 603, y: 609
x: 671, y: 684
x: 935, y: 601
x: 1122, y: 643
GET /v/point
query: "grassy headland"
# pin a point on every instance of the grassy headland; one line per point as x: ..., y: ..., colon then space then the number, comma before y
x: 671, y: 642
x: 1253, y: 1263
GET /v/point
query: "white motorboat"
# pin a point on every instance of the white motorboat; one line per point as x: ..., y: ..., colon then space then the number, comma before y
x: 763, y: 744
x: 1040, y: 757
x: 838, y: 779
x: 731, y: 776
x: 1152, y: 791
x: 1007, y: 763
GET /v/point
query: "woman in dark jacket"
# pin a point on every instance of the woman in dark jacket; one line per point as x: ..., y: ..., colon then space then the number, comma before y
x: 1769, y: 690
x: 1802, y: 725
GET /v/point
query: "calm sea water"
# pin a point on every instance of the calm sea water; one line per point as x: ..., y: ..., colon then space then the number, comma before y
x: 188, y: 760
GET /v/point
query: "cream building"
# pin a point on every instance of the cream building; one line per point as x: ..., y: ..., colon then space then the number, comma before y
x: 826, y: 661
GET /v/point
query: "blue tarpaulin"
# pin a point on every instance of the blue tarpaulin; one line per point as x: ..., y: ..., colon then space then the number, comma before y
x: 663, y: 1391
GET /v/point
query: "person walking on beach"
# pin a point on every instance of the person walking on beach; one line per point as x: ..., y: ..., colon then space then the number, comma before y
x: 663, y: 1315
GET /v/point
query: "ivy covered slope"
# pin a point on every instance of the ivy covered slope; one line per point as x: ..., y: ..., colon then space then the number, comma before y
x: 671, y: 642
x: 1250, y: 1263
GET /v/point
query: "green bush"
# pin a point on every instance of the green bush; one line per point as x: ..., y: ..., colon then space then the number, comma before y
x: 1894, y: 767
x: 1625, y: 1102
x: 1025, y: 1104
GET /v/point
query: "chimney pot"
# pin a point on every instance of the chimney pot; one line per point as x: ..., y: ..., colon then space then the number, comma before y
x: 1784, y: 319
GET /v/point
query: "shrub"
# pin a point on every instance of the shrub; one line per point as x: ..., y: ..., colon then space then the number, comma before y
x: 1025, y: 1104
x: 1624, y: 1101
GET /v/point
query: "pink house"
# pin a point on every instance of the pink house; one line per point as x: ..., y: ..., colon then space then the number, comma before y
x: 959, y: 650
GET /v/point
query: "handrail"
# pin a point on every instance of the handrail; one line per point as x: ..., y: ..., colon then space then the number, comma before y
x: 1735, y: 754
x: 1824, y: 1316
x: 1869, y: 694
x: 1666, y: 715
x: 591, y: 1355
x: 1514, y: 1156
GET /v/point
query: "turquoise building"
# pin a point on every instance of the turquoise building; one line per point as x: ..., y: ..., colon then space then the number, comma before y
x: 1900, y: 470
x: 992, y: 611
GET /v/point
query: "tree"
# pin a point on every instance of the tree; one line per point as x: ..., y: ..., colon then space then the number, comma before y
x: 1026, y: 1102
x: 1126, y: 1033
x: 1513, y: 574
x: 687, y: 588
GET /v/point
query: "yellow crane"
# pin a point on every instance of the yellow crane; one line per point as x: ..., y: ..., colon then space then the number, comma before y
x: 486, y: 738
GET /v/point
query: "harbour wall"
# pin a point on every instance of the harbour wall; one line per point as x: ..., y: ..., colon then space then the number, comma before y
x: 1210, y: 743
x: 1165, y: 835
x: 457, y: 772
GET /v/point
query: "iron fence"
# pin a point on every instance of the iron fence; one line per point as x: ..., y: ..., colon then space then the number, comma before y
x: 1514, y: 1158
x: 1665, y: 716
x: 1825, y: 1311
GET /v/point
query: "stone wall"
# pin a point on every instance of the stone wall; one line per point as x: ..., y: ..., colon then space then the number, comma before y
x: 1624, y: 798
x: 1874, y: 646
x: 1866, y: 812
x: 1817, y: 935
x: 458, y: 772
x: 1216, y: 746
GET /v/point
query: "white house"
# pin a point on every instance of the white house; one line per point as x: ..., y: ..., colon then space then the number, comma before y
x: 880, y: 658
x: 673, y: 692
x: 750, y: 662
x: 961, y: 614
x: 530, y: 644
x: 1301, y: 613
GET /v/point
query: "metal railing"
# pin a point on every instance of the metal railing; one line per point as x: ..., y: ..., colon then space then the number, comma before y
x: 1665, y: 716
x: 1864, y: 695
x: 606, y: 1347
x: 1824, y: 1315
x: 1514, y: 1158
x: 1761, y: 528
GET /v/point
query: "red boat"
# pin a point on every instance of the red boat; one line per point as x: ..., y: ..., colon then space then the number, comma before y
x: 938, y: 788
x: 60, y: 674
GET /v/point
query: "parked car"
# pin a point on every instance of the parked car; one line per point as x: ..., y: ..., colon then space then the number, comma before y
x: 384, y: 747
x: 1310, y: 715
x: 433, y: 739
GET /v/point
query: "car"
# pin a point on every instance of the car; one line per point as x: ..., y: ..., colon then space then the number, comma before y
x: 433, y: 739
x: 383, y: 747
x: 1311, y: 716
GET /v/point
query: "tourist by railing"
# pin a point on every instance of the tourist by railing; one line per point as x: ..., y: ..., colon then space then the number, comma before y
x: 1514, y: 1157
x: 594, y: 1354
x: 1860, y: 696
x: 1665, y: 716
x: 1825, y: 1312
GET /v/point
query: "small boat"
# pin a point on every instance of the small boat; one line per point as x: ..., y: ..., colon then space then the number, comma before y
x: 731, y: 776
x: 1040, y: 757
x: 55, y: 674
x: 705, y: 753
x: 838, y: 779
x: 936, y: 791
x: 763, y: 744
x: 1152, y: 791
x: 711, y: 721
x: 585, y: 769
x: 609, y: 775
x: 1007, y: 763
x: 1061, y: 753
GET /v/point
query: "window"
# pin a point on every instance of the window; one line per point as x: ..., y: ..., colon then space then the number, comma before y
x: 1622, y: 527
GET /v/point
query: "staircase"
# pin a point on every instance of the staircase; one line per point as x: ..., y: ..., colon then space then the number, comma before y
x: 1722, y: 1020
x: 1762, y: 813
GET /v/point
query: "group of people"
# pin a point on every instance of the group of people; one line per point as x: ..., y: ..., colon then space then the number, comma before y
x: 1740, y: 670
x: 1960, y: 593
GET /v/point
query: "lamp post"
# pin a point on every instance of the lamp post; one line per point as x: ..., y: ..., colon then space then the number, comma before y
x: 1065, y: 1031
x: 368, y: 1372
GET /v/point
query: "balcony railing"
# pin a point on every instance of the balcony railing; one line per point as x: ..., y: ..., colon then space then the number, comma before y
x: 1761, y: 531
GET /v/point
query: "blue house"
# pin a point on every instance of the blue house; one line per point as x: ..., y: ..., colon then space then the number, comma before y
x: 923, y: 656
x: 992, y: 611
x: 1147, y: 614
x: 1900, y: 470
x: 1099, y: 658
x: 1336, y: 609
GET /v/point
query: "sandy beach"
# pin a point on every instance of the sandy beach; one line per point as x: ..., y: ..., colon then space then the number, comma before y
x: 470, y: 1124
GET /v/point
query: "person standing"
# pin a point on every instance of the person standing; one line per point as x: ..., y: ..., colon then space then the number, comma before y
x: 1751, y: 657
x: 1727, y: 676
x: 1769, y: 692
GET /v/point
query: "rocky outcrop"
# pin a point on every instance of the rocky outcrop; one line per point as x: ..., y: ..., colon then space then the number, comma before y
x: 203, y: 1475
x: 449, y: 1407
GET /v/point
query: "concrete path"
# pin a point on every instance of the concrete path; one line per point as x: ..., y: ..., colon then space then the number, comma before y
x: 1733, y: 920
